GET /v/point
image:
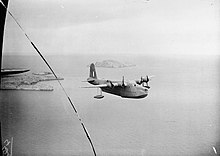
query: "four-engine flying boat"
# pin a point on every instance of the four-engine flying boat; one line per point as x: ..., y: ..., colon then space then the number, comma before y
x: 137, y: 89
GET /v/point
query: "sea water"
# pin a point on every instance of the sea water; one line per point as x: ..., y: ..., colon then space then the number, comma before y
x: 180, y: 116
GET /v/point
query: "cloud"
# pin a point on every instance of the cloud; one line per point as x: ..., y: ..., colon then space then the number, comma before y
x: 59, y: 13
x: 117, y: 26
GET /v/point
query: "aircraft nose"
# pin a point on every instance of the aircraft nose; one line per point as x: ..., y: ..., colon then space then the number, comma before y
x: 143, y: 95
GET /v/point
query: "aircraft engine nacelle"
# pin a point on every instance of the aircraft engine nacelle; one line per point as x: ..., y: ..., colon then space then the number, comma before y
x: 110, y: 84
x: 138, y: 82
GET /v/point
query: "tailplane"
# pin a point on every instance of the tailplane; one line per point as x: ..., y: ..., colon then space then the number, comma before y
x: 92, y: 73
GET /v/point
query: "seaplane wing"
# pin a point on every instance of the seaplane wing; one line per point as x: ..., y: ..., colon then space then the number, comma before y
x: 12, y: 71
x: 97, y: 86
x: 109, y: 84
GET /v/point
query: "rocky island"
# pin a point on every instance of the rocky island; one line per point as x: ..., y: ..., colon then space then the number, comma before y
x: 28, y: 82
x: 113, y: 64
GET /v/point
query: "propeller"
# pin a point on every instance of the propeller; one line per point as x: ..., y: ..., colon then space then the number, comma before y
x: 144, y: 81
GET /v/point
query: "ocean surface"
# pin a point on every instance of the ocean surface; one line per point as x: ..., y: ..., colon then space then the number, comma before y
x: 179, y: 117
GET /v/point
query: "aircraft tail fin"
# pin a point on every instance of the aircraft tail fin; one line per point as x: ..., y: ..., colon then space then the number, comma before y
x: 92, y: 73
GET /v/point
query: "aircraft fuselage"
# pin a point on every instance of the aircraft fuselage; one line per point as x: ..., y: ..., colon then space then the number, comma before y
x: 129, y: 91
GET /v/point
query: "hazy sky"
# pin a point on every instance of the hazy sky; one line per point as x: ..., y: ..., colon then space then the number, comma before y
x: 114, y: 26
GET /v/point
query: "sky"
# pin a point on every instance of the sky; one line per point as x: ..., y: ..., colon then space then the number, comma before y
x: 65, y: 27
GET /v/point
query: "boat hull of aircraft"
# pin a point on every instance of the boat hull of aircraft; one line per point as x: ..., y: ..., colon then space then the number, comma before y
x: 128, y: 92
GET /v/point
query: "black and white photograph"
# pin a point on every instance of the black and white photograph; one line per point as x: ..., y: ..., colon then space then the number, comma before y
x: 110, y: 77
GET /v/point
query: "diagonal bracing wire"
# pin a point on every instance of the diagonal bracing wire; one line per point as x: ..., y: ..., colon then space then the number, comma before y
x: 70, y: 101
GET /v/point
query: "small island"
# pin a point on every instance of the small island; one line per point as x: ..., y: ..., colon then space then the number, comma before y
x: 113, y: 64
x: 28, y: 82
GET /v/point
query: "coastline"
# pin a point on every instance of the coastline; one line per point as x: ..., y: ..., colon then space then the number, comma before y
x: 29, y: 82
